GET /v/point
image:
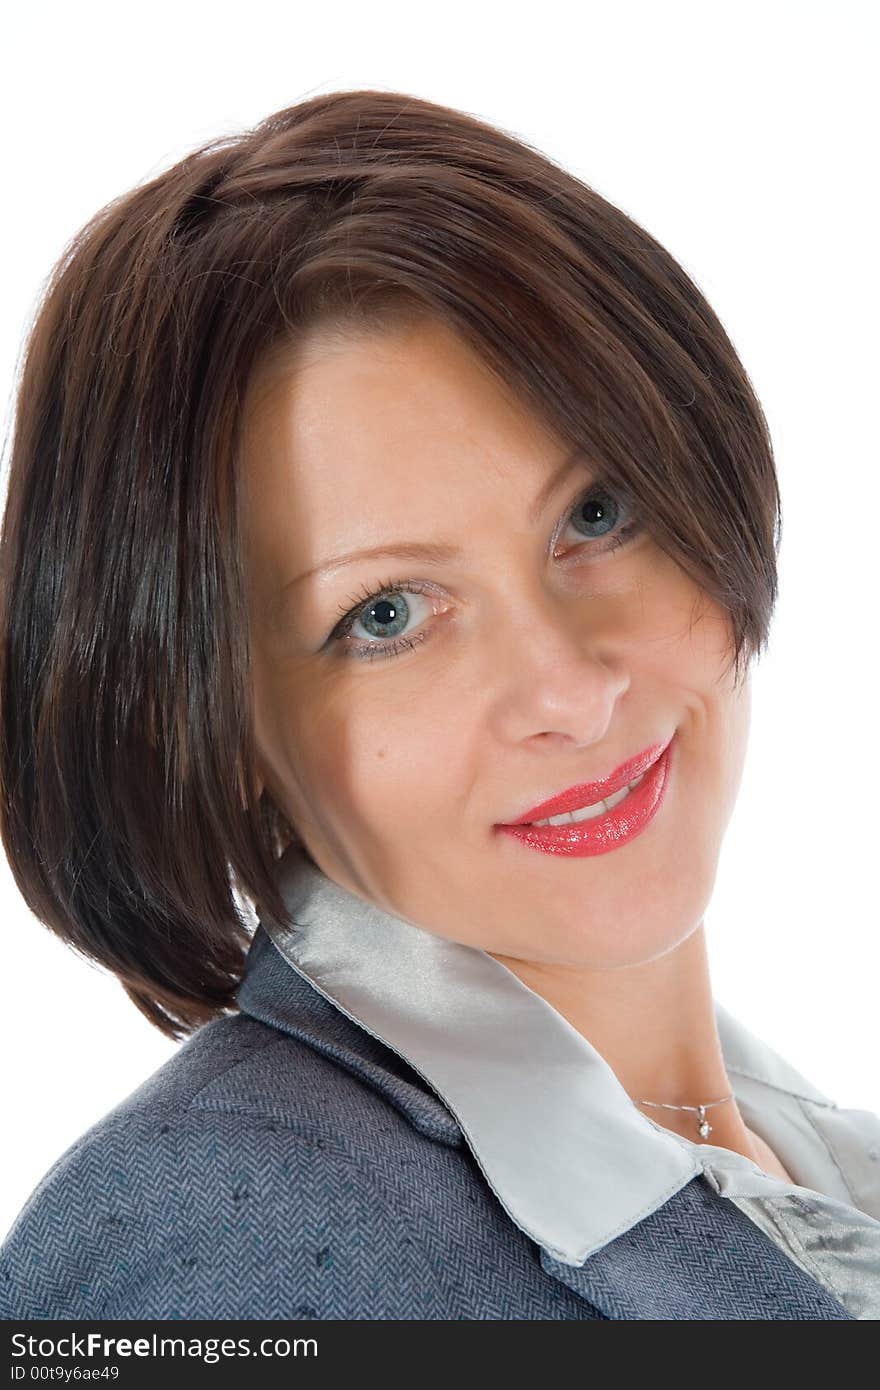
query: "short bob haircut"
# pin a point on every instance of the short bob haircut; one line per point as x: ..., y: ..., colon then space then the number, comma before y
x: 129, y: 807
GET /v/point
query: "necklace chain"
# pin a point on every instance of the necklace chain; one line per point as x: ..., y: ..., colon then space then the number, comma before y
x: 704, y: 1129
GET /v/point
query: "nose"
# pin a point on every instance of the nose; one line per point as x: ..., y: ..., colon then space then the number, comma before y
x: 557, y: 674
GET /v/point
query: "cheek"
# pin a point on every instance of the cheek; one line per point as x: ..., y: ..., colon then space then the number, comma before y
x: 683, y: 637
x: 736, y: 721
x: 367, y: 760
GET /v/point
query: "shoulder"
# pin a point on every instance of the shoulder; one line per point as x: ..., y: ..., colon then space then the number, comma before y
x: 250, y: 1176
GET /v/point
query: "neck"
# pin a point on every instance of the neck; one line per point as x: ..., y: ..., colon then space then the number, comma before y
x: 654, y: 1024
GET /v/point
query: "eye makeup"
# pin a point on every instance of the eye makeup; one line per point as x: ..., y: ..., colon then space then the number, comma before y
x: 381, y: 595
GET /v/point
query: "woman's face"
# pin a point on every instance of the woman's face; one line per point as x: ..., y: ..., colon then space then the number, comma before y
x: 539, y: 657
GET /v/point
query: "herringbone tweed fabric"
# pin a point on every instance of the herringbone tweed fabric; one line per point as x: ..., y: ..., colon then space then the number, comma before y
x: 254, y: 1176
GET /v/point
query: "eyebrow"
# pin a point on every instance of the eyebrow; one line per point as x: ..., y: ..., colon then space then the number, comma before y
x: 427, y: 550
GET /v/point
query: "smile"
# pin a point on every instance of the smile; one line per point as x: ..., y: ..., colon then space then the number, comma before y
x: 603, y: 825
x: 598, y: 808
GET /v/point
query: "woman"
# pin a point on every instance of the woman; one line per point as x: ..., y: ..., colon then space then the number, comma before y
x: 437, y: 524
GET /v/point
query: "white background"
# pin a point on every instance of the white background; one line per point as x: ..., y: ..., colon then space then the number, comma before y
x: 744, y: 138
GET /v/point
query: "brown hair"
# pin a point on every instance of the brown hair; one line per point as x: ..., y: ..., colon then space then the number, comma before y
x: 128, y: 804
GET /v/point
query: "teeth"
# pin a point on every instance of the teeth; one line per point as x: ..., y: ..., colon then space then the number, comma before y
x: 599, y: 808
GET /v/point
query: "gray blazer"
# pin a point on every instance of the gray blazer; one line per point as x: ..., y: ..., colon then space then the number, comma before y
x: 286, y: 1162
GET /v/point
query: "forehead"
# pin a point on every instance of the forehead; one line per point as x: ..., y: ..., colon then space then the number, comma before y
x: 355, y: 435
x: 375, y: 391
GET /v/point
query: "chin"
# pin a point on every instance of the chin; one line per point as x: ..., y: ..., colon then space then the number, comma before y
x: 614, y: 940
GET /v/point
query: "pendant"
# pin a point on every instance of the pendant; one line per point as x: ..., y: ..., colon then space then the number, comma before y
x: 702, y: 1123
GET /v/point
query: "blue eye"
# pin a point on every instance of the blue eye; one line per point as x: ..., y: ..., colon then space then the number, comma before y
x: 599, y: 509
x: 385, y: 617
x: 383, y: 612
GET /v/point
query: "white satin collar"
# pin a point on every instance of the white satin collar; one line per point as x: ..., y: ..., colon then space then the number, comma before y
x: 570, y: 1157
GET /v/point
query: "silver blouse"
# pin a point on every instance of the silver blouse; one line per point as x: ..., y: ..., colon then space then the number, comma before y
x: 568, y: 1154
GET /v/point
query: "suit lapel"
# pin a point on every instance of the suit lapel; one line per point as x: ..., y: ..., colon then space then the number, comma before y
x: 697, y: 1257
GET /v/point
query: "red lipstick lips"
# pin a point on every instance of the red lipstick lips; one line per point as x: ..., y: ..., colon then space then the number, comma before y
x: 599, y: 834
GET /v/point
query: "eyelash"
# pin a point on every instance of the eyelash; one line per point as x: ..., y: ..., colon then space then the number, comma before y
x: 369, y: 594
